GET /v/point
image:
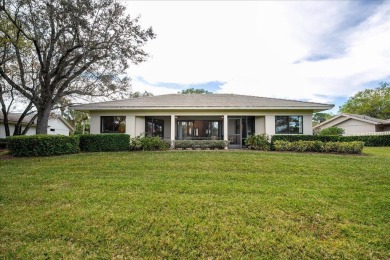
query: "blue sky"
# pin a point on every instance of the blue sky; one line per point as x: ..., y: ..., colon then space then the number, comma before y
x: 320, y: 51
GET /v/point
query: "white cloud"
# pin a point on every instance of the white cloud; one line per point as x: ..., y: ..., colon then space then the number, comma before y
x: 259, y: 48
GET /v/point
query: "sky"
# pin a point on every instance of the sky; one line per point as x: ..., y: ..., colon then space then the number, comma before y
x: 317, y: 51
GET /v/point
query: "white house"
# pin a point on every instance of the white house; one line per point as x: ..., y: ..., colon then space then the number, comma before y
x: 203, y: 116
x: 56, y: 126
x: 355, y: 124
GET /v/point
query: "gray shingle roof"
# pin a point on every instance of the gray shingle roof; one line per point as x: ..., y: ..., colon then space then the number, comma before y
x: 203, y: 101
x: 368, y: 118
x: 14, y: 117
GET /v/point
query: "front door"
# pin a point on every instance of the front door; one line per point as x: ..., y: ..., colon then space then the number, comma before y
x: 235, y: 133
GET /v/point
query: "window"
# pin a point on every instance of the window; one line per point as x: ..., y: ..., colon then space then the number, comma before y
x: 288, y: 125
x: 113, y: 124
x: 52, y: 130
x: 199, y: 129
x: 154, y: 127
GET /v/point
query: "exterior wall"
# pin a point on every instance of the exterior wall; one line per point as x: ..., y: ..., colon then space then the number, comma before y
x: 31, y: 130
x: 139, y: 125
x: 352, y: 126
x: 135, y: 120
x: 259, y: 125
x: 58, y: 126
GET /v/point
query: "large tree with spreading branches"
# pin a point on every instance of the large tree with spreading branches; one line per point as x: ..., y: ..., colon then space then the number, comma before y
x: 370, y: 102
x: 67, y: 49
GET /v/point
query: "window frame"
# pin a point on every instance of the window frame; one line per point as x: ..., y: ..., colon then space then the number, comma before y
x: 112, y: 132
x: 288, y: 132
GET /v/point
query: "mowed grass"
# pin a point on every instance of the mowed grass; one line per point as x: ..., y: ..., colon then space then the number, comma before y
x: 196, y: 204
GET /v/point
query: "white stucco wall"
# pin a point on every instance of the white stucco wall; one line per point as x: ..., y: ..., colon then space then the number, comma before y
x: 259, y: 125
x: 57, y: 127
x: 31, y: 130
x: 135, y: 120
x: 352, y: 126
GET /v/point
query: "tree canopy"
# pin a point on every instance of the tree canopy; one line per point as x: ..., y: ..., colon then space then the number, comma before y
x: 67, y: 49
x: 370, y: 102
x: 321, y: 117
x: 195, y: 91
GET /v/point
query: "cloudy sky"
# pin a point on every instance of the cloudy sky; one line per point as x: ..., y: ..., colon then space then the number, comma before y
x: 320, y: 51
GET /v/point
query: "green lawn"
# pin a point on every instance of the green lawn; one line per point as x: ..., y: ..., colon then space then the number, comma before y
x: 196, y: 204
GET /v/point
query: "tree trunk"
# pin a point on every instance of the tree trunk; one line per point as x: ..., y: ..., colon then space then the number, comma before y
x: 6, y: 125
x: 43, y: 118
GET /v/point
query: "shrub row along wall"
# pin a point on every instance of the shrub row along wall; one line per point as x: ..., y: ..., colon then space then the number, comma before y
x: 369, y: 140
x: 104, y: 142
x: 202, y: 144
x: 355, y: 147
x: 42, y: 145
x: 3, y: 143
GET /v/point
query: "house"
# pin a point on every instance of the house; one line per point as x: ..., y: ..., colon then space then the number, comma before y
x: 356, y: 124
x: 57, y: 125
x: 203, y: 116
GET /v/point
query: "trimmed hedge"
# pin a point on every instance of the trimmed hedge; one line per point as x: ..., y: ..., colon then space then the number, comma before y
x: 258, y: 142
x: 3, y: 143
x: 369, y: 140
x: 42, y: 145
x: 203, y: 144
x: 354, y: 147
x: 104, y: 142
x: 148, y: 143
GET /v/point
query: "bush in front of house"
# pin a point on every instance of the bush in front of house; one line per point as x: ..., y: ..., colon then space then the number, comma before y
x: 334, y: 130
x: 369, y: 140
x: 355, y: 147
x: 3, y: 143
x: 148, y: 143
x: 202, y: 144
x: 42, y: 145
x: 258, y: 142
x: 104, y: 142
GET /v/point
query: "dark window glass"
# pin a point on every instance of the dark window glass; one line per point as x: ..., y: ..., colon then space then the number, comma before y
x: 113, y: 124
x: 288, y: 125
x: 154, y: 127
x: 199, y: 129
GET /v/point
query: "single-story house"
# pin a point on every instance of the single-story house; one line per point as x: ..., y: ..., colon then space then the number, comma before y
x: 202, y: 116
x: 56, y: 126
x: 355, y: 124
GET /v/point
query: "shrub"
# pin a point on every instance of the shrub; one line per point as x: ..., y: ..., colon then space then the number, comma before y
x: 3, y: 143
x: 369, y: 140
x: 355, y: 147
x: 203, y: 144
x: 332, y: 131
x: 258, y: 142
x: 42, y: 145
x: 148, y: 143
x: 104, y: 142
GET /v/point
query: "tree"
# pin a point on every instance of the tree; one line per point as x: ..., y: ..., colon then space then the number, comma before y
x: 321, y: 117
x: 138, y: 94
x: 195, y: 91
x: 334, y: 130
x: 76, y: 49
x: 370, y: 102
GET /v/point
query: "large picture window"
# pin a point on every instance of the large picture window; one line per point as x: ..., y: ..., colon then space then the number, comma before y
x: 113, y: 124
x: 154, y: 127
x: 289, y: 125
x: 199, y: 129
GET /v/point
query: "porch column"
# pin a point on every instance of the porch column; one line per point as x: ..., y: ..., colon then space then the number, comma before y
x: 173, y: 128
x: 225, y: 129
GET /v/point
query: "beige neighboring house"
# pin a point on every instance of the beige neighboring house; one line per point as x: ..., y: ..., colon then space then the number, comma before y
x: 356, y: 124
x: 57, y: 125
x: 203, y: 116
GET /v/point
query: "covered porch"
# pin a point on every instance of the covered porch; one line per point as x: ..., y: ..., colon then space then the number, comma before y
x: 234, y: 129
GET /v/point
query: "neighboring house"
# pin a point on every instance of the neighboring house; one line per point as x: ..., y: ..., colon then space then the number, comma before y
x: 355, y: 124
x: 56, y: 126
x: 203, y: 116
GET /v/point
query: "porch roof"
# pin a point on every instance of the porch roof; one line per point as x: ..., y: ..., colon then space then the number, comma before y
x: 203, y: 101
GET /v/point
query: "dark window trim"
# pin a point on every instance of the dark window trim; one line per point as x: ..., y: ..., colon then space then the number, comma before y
x: 288, y: 126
